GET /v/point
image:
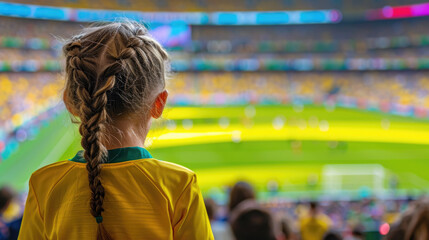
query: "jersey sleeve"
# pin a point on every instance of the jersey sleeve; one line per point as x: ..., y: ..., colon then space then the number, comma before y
x: 190, y: 220
x: 32, y: 222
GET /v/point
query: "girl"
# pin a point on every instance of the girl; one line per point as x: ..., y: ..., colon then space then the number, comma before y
x: 115, y: 84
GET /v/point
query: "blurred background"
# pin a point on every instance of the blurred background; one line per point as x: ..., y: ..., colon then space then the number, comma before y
x: 323, y: 100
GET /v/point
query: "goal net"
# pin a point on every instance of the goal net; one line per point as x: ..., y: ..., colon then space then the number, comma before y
x: 352, y: 177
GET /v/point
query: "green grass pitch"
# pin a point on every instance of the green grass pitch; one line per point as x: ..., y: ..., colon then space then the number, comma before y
x: 251, y: 145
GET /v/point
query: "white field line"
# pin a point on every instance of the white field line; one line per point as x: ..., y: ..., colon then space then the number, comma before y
x: 59, y: 149
x: 416, y: 180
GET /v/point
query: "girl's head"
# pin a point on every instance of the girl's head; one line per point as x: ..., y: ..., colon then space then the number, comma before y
x: 116, y: 69
x: 114, y: 73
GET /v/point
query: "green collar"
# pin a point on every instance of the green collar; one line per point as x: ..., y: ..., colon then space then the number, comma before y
x: 118, y: 155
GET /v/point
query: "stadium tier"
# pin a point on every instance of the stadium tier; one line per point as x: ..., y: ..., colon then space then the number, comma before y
x: 349, y: 7
x: 386, y: 91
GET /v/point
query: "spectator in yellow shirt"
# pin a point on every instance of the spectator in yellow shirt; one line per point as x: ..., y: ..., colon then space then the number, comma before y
x: 315, y: 224
x: 115, y: 85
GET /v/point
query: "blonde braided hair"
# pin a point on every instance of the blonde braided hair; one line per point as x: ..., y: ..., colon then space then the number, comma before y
x: 112, y: 71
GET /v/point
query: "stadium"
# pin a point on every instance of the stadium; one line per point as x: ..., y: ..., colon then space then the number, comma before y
x: 305, y: 100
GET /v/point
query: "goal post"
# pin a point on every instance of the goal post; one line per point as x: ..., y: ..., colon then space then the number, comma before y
x: 349, y: 177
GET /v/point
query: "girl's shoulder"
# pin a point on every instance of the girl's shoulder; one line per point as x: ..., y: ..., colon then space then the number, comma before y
x: 163, y: 170
x: 165, y: 165
x: 44, y: 180
x: 171, y: 179
x: 53, y: 170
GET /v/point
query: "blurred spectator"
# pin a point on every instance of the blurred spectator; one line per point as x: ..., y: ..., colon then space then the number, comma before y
x: 249, y: 221
x: 240, y: 191
x: 357, y: 234
x: 315, y: 224
x: 221, y: 230
x: 287, y: 228
x: 6, y: 196
x: 8, y: 230
x: 211, y: 208
x: 332, y: 235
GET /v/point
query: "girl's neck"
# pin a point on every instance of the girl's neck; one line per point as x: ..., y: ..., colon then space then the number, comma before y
x: 125, y: 142
x: 125, y: 134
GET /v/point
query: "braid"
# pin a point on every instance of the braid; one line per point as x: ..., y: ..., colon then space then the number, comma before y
x: 93, y: 116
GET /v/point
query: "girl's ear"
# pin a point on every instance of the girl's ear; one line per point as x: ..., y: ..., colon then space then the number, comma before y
x: 159, y: 104
x: 68, y: 106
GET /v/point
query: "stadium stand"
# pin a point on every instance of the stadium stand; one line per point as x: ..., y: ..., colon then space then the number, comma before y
x: 349, y: 7
x: 358, y: 90
x: 20, y: 101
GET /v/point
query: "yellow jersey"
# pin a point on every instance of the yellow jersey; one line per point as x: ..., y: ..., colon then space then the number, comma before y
x: 314, y: 228
x: 145, y: 199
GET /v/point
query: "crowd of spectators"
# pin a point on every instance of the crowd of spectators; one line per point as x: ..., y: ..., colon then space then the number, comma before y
x: 35, y: 45
x: 34, y: 28
x: 342, y: 31
x: 245, y: 217
x: 20, y: 99
x: 405, y: 92
x: 361, y: 39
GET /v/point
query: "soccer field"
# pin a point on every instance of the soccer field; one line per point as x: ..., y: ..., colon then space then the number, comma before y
x: 285, y: 144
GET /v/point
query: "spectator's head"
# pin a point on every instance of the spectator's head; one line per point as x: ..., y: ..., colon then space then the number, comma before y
x: 6, y: 196
x: 211, y: 208
x: 249, y: 221
x: 332, y: 235
x: 414, y: 223
x: 313, y: 207
x: 240, y: 192
x: 358, y: 233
